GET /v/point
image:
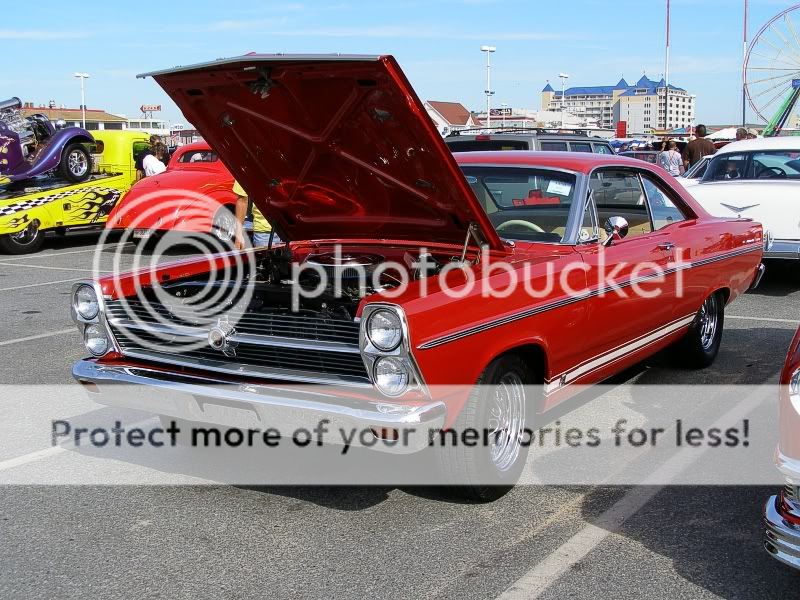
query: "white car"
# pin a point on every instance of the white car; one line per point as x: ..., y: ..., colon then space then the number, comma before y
x: 695, y: 172
x: 758, y: 179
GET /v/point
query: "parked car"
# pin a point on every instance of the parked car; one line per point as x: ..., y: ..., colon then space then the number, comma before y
x: 33, y: 146
x: 33, y: 208
x: 782, y: 511
x: 366, y: 171
x: 194, y: 194
x: 544, y: 140
x: 759, y: 179
x: 695, y: 172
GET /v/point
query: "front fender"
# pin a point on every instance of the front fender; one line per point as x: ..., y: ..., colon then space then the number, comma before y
x: 49, y: 155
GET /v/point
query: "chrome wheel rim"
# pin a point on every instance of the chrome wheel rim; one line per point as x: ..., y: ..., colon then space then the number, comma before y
x: 224, y: 226
x: 707, y: 322
x: 27, y: 236
x: 507, y: 421
x: 77, y: 163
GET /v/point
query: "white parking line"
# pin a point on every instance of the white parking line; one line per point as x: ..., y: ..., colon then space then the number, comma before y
x: 27, y: 266
x: 765, y: 319
x: 38, y: 337
x: 32, y: 285
x: 536, y: 581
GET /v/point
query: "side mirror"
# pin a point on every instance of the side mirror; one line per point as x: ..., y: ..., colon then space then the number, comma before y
x: 616, y: 228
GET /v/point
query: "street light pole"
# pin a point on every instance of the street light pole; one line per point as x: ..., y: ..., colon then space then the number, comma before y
x: 564, y: 78
x: 82, y: 77
x: 744, y: 64
x: 503, y: 106
x: 489, y: 92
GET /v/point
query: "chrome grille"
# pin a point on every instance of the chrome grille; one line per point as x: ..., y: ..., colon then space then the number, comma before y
x: 273, y: 345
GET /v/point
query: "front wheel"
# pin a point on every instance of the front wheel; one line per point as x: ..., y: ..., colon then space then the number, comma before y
x: 76, y: 163
x: 699, y: 348
x: 498, y: 409
x: 26, y: 241
x: 224, y: 225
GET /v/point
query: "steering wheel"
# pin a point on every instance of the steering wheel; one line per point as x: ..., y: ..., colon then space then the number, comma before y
x: 778, y: 173
x: 520, y: 223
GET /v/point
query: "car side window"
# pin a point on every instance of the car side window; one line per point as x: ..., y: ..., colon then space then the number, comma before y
x: 729, y: 166
x: 580, y: 147
x: 553, y: 146
x: 602, y: 149
x: 619, y: 193
x: 663, y: 210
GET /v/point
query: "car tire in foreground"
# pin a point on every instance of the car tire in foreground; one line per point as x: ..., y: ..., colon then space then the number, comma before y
x: 223, y: 226
x: 501, y: 404
x: 76, y: 163
x: 700, y: 346
x: 26, y: 241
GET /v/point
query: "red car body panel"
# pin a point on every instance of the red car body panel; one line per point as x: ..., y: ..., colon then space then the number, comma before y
x: 789, y: 418
x: 185, y: 197
x: 327, y: 146
x: 359, y: 163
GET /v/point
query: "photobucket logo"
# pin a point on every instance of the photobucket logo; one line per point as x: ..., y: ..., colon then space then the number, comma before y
x: 568, y: 275
x: 181, y: 309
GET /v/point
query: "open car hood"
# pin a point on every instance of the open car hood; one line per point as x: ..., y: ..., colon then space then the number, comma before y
x: 330, y: 146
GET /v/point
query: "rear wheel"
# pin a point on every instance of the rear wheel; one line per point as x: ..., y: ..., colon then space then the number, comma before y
x: 76, y: 163
x: 26, y: 241
x: 699, y: 348
x: 500, y: 405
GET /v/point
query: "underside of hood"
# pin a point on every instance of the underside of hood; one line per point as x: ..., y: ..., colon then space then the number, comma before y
x: 331, y: 147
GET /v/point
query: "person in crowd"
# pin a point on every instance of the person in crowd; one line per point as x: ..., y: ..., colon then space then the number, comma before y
x: 752, y: 134
x: 153, y: 162
x: 741, y: 134
x: 697, y: 148
x: 247, y: 212
x: 670, y: 159
x: 154, y: 140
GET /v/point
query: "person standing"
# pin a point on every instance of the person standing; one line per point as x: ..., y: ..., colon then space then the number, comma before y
x: 153, y: 163
x: 247, y: 211
x: 698, y: 147
x: 670, y: 159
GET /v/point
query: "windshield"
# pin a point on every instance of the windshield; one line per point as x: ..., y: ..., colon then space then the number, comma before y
x: 769, y: 164
x: 524, y: 203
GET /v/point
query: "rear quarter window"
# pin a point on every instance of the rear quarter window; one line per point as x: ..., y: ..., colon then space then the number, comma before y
x: 486, y: 145
x: 580, y: 147
x: 602, y: 149
x: 553, y: 146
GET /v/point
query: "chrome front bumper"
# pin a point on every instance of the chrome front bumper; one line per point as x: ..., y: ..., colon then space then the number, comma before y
x: 256, y: 406
x: 784, y: 249
x: 782, y: 539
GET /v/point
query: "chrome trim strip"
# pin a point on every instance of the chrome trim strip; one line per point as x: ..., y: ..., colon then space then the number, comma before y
x: 524, y: 314
x: 242, y: 338
x: 240, y: 370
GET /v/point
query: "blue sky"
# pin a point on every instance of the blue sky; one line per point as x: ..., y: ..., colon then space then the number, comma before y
x: 436, y: 42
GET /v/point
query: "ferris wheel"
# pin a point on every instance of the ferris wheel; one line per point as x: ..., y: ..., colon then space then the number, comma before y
x: 772, y: 67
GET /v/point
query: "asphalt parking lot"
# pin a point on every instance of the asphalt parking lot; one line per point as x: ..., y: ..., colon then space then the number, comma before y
x: 551, y: 542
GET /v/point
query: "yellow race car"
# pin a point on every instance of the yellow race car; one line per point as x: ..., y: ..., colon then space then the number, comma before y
x: 32, y: 208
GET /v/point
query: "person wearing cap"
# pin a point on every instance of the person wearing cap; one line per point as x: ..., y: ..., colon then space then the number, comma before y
x: 247, y: 211
x: 741, y: 134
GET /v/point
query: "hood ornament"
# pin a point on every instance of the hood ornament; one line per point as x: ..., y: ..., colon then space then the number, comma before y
x: 219, y: 337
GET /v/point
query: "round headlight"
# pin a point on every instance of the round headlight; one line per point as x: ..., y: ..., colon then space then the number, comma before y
x: 95, y: 339
x: 391, y: 376
x: 384, y: 330
x: 85, y: 301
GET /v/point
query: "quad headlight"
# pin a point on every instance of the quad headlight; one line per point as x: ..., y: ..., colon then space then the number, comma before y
x: 96, y: 339
x: 391, y: 376
x: 384, y: 330
x: 85, y: 302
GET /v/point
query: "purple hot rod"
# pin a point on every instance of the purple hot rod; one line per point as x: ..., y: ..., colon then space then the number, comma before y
x: 31, y: 146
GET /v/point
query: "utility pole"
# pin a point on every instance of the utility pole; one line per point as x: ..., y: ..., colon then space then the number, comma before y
x: 744, y: 65
x: 82, y: 77
x: 489, y: 92
x: 666, y: 76
x: 564, y: 78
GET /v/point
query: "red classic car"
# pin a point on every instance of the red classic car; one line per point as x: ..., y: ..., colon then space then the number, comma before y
x: 782, y: 512
x: 194, y: 195
x: 511, y: 270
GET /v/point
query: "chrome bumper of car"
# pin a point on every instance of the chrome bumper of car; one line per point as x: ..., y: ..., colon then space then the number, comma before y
x: 256, y: 406
x: 757, y: 279
x: 781, y: 539
x: 784, y: 249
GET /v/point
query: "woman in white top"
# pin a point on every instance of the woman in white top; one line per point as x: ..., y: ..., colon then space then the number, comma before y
x: 671, y: 159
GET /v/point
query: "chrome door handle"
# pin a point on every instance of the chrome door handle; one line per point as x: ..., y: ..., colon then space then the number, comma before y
x: 666, y: 246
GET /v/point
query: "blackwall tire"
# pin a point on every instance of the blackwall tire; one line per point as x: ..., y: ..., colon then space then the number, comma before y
x: 26, y: 241
x: 700, y: 346
x: 485, y: 473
